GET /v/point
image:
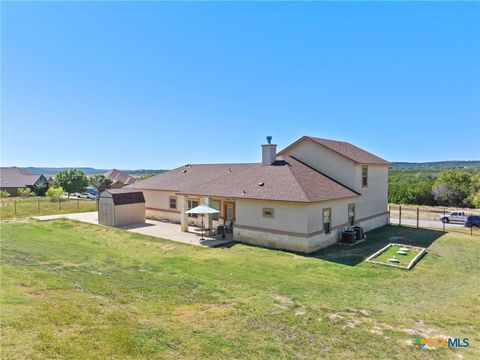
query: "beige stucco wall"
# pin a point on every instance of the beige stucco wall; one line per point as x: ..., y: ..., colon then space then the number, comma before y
x: 326, y: 161
x: 158, y: 199
x: 157, y: 204
x: 288, y: 216
x: 295, y: 226
x: 339, y: 213
x: 374, y: 198
x: 129, y: 214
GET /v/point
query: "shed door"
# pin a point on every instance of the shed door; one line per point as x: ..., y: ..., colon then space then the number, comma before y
x: 107, y: 214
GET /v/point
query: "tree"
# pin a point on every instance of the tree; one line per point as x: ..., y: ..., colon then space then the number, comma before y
x: 453, y: 187
x: 71, y: 181
x: 145, y: 176
x: 55, y: 193
x: 100, y: 182
x: 25, y: 192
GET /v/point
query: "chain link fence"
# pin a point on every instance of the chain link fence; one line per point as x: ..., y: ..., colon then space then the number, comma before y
x: 430, y: 218
x: 43, y: 206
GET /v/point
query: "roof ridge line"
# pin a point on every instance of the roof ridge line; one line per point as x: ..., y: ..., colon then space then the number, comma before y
x: 293, y: 175
x: 328, y: 177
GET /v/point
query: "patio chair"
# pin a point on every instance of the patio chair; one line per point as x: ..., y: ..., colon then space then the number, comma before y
x: 228, y: 225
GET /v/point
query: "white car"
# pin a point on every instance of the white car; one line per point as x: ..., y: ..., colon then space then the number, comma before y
x: 456, y: 216
x: 87, y: 195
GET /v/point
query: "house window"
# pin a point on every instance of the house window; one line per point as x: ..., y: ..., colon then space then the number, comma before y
x: 192, y: 204
x: 364, y: 176
x: 268, y: 213
x: 351, y: 214
x: 173, y: 202
x: 327, y: 218
x: 215, y: 204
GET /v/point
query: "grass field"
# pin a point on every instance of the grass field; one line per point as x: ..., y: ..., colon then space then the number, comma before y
x: 74, y: 290
x: 40, y: 205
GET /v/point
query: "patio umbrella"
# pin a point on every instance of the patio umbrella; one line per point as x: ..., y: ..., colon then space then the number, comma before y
x: 202, y: 210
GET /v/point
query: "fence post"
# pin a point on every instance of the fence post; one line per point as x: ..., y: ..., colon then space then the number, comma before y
x: 78, y: 204
x: 400, y: 215
x: 418, y: 215
x: 443, y: 222
x: 38, y: 206
x: 58, y: 203
x: 15, y: 204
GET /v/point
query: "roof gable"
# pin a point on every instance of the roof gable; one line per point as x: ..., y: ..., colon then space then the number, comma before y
x: 18, y: 178
x: 120, y: 176
x: 349, y: 151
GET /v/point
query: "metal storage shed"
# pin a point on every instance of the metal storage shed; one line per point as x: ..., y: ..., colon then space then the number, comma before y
x: 120, y: 207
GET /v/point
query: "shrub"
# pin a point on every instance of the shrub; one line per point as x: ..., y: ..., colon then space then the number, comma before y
x: 25, y: 192
x: 40, y: 189
x: 4, y: 194
x: 55, y: 193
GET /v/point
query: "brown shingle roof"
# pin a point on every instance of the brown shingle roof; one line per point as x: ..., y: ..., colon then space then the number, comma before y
x: 120, y: 176
x: 346, y: 149
x: 126, y: 196
x: 285, y: 180
x: 17, y: 178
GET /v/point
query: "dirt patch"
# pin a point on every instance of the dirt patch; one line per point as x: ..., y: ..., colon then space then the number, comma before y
x: 334, y: 318
x: 283, y: 302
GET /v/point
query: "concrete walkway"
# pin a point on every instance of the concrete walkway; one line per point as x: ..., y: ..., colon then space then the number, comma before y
x: 151, y: 227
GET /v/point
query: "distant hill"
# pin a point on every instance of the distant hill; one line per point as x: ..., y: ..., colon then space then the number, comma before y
x: 437, y: 165
x: 52, y: 171
x: 469, y: 164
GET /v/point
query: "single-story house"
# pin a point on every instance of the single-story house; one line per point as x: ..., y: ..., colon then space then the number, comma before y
x: 14, y: 178
x: 298, y: 199
x: 119, y: 178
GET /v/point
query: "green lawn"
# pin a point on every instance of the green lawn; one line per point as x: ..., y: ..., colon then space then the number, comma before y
x: 74, y: 290
x: 40, y: 205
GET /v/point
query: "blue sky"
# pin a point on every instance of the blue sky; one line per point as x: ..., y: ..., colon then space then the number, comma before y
x: 156, y: 85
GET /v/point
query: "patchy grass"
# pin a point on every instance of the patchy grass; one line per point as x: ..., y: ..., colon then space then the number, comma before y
x: 74, y: 290
x: 40, y: 205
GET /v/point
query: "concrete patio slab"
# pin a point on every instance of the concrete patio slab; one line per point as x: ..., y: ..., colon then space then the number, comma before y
x: 150, y: 227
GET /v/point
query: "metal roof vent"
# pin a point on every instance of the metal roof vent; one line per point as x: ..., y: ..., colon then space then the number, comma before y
x: 184, y: 171
x: 261, y: 184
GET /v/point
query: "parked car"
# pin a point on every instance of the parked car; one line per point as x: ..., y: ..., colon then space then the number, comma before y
x: 473, y: 220
x: 87, y: 195
x: 456, y: 216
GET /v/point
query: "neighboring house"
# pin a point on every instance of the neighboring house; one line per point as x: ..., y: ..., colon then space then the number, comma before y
x: 14, y: 178
x: 119, y: 178
x: 299, y: 199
